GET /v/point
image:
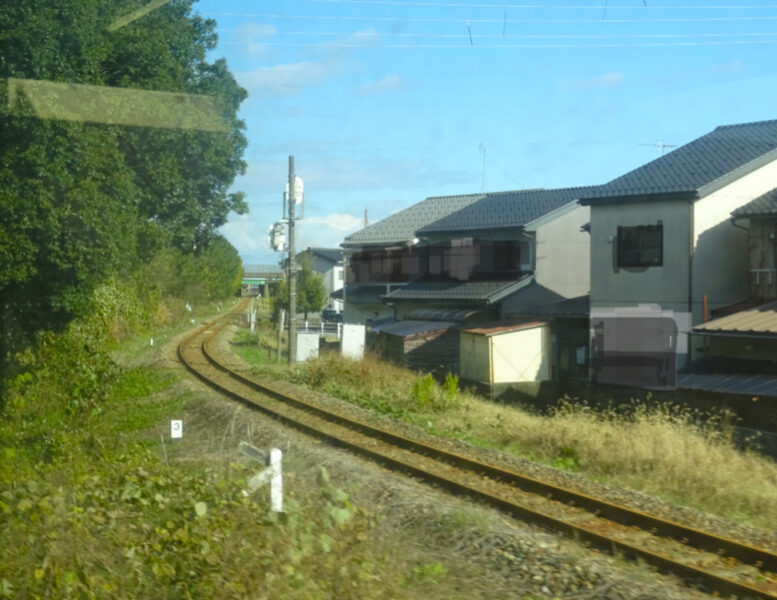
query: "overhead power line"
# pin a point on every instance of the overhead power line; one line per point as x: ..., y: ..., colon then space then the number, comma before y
x: 507, y: 46
x: 449, y: 20
x: 534, y: 6
x: 519, y: 36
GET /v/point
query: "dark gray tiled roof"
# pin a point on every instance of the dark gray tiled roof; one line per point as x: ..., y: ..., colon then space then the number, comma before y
x: 473, y: 291
x: 360, y: 294
x: 413, y: 327
x: 400, y: 227
x: 331, y: 254
x: 580, y: 306
x: 699, y: 167
x: 763, y: 206
x: 506, y: 209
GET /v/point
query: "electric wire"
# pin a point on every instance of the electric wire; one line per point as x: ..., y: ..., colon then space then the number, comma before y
x: 533, y: 6
x: 460, y: 20
x: 515, y: 36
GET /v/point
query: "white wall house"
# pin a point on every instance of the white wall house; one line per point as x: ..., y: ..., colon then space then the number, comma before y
x: 663, y: 234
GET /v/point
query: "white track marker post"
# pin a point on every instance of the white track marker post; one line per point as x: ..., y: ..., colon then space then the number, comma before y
x: 176, y: 429
x: 272, y: 474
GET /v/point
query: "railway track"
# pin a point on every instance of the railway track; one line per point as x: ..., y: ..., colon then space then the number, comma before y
x: 716, y: 564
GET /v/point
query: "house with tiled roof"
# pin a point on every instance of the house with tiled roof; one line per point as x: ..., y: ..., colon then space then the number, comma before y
x: 665, y: 250
x: 387, y: 255
x: 479, y: 255
x: 501, y: 252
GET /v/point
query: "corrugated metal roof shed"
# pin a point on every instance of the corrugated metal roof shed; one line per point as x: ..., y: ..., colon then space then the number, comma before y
x: 763, y: 206
x: 759, y: 320
x: 753, y: 385
x: 699, y: 167
x: 498, y: 210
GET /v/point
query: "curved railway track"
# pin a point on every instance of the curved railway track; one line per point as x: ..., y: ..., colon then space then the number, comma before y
x: 719, y: 565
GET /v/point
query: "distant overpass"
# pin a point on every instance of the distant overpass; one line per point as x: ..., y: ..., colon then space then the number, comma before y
x: 261, y: 274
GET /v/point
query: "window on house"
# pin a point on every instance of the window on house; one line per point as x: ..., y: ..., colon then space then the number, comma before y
x: 641, y: 246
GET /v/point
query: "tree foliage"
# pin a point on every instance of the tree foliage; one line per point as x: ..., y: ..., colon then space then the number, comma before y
x: 311, y: 293
x: 82, y: 201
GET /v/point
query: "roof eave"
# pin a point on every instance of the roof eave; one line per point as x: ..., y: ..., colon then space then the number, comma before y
x: 736, y: 334
x: 629, y: 198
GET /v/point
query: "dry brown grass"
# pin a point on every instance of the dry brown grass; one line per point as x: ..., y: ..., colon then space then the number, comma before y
x: 677, y: 455
x: 659, y: 451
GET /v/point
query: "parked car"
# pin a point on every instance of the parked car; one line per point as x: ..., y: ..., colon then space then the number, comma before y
x: 329, y: 314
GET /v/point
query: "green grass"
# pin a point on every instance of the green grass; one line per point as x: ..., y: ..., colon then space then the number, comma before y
x: 90, y: 509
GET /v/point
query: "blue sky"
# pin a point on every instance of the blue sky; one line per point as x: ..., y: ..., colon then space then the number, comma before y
x: 383, y: 103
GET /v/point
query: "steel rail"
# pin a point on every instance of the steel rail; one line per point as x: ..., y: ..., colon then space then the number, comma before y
x: 764, y: 560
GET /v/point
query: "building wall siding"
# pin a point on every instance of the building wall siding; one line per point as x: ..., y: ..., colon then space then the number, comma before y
x: 562, y: 254
x: 720, y: 261
x: 475, y: 357
x: 521, y: 355
x: 666, y: 285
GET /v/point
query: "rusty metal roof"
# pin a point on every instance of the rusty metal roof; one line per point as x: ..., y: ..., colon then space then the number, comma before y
x: 759, y: 320
x: 498, y: 329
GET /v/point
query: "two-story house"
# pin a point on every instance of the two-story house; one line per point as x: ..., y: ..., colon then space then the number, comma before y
x: 498, y: 254
x: 663, y: 245
x: 503, y: 252
x: 387, y: 255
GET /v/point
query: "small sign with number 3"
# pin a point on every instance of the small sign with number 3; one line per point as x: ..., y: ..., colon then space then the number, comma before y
x: 176, y: 429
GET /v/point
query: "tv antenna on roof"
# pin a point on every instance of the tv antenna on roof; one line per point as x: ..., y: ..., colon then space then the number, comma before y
x: 482, y: 148
x: 660, y: 145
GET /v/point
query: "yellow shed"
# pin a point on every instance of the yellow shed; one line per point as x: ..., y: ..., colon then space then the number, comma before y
x: 506, y: 353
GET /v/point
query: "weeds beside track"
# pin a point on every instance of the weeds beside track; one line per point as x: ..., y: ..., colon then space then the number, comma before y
x: 718, y: 564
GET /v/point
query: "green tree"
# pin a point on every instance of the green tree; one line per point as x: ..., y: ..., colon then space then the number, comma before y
x: 311, y: 293
x: 82, y: 201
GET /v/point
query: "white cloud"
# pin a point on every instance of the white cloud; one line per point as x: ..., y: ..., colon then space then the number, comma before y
x: 728, y: 67
x: 286, y: 79
x: 255, y: 37
x: 605, y: 80
x: 389, y: 83
x: 337, y: 221
x: 328, y: 231
x: 292, y: 78
x: 245, y: 234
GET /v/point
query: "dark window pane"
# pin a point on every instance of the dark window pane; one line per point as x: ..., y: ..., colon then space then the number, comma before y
x: 641, y: 246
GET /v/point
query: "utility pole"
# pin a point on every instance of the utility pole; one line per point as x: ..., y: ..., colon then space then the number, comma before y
x: 292, y: 269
